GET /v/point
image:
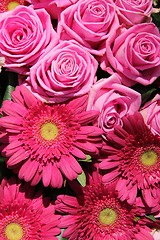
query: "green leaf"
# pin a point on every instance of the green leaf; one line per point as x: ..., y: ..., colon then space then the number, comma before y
x: 136, y: 219
x: 87, y: 159
x: 60, y: 236
x: 2, y: 159
x: 82, y: 179
x: 156, y: 16
x: 7, y: 94
x: 151, y: 217
x: 147, y: 92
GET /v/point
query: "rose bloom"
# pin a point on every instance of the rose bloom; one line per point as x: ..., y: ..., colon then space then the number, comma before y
x: 66, y: 72
x: 133, y: 12
x: 88, y: 22
x: 24, y: 35
x: 151, y: 114
x: 134, y: 53
x: 113, y: 100
x: 53, y: 7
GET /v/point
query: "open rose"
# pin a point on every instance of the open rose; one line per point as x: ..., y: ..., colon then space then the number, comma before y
x: 151, y: 114
x: 53, y: 7
x: 89, y: 22
x: 66, y: 72
x: 134, y: 53
x: 131, y: 12
x: 113, y: 100
x: 24, y: 35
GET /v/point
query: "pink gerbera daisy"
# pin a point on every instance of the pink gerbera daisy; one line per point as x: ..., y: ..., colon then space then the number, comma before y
x: 97, y: 214
x: 43, y: 141
x: 25, y: 215
x: 7, y: 5
x: 133, y: 157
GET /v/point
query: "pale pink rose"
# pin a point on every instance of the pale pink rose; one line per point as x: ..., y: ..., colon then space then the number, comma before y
x: 25, y: 34
x: 89, y: 22
x: 113, y: 100
x: 156, y: 235
x: 131, y: 12
x: 151, y: 114
x: 53, y: 7
x: 66, y: 72
x: 134, y: 53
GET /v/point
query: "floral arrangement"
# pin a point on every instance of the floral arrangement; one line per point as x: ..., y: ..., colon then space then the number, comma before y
x: 80, y: 120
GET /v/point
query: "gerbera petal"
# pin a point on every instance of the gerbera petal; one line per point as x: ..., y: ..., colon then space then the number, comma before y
x: 13, y: 109
x: 66, y: 169
x: 87, y: 117
x: 46, y: 174
x: 132, y: 195
x: 88, y: 147
x: 56, y: 178
x: 77, y: 153
x: 17, y: 157
x: 10, y: 122
x: 148, y: 197
x: 31, y: 169
x: 29, y: 98
x: 109, y: 177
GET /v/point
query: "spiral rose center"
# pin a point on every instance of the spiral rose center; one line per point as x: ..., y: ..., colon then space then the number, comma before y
x: 14, y: 231
x: 149, y: 158
x: 49, y: 131
x: 107, y: 216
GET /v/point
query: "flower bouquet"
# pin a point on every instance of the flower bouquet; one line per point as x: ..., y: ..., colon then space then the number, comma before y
x: 80, y: 120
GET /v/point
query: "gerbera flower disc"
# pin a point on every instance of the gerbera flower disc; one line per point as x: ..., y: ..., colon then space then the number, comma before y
x: 133, y: 157
x: 98, y: 214
x: 8, y: 5
x: 43, y: 141
x: 24, y: 214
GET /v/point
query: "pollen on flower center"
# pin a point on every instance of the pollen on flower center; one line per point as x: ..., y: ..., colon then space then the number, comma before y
x: 12, y: 5
x: 149, y: 158
x: 49, y: 131
x: 14, y: 231
x: 107, y: 216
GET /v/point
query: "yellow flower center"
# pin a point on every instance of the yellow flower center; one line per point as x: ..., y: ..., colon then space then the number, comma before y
x: 14, y: 231
x: 12, y: 5
x: 149, y: 158
x: 49, y: 131
x: 107, y: 216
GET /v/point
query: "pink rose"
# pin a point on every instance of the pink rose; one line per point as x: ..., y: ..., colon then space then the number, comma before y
x: 134, y: 53
x: 89, y: 22
x: 113, y: 100
x: 151, y: 114
x: 66, y: 72
x: 131, y: 12
x: 156, y: 235
x: 53, y: 7
x: 24, y: 35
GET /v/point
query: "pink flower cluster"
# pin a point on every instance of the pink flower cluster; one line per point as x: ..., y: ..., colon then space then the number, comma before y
x: 84, y: 118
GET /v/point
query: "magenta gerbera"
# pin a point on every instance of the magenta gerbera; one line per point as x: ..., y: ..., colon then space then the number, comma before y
x: 24, y: 214
x: 97, y: 214
x: 43, y: 141
x: 133, y: 157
